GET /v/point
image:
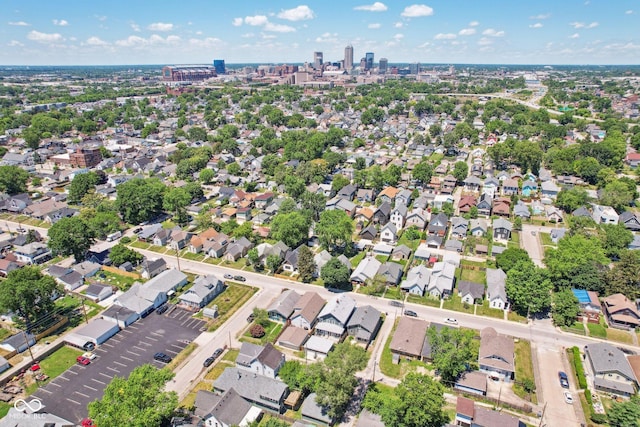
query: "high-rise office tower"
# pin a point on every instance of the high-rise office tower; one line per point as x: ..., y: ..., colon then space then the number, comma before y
x: 218, y: 64
x: 348, y: 58
x: 369, y: 60
x: 317, y: 60
x: 414, y: 68
x: 382, y: 66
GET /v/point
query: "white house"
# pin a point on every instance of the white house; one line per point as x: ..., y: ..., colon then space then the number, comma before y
x: 496, y: 288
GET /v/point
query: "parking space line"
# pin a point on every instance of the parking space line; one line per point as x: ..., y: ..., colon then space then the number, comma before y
x: 127, y: 331
x: 139, y: 348
x: 152, y: 339
x: 73, y: 401
x: 177, y: 346
x: 146, y: 343
x: 63, y: 378
x: 133, y: 327
x: 107, y: 344
x: 172, y: 352
x: 72, y: 372
x: 126, y: 358
x: 105, y: 375
x: 113, y: 369
x: 120, y: 364
x: 98, y: 381
x: 82, y: 394
x: 102, y: 350
x: 46, y: 391
x: 55, y: 384
x: 89, y: 387
x: 157, y: 334
x: 135, y: 354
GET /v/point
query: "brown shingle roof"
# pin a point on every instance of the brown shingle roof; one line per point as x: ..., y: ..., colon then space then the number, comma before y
x: 409, y: 336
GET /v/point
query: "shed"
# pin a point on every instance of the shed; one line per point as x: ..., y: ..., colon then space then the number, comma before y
x: 120, y: 315
x: 96, y: 331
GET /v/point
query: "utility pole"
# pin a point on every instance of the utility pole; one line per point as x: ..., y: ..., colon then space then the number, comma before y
x: 84, y: 310
x: 178, y: 259
x: 542, y: 416
x: 26, y: 341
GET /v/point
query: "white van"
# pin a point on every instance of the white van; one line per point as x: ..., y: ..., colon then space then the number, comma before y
x: 113, y: 236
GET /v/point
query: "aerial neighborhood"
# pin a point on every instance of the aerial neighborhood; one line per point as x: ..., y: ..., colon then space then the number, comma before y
x: 269, y: 246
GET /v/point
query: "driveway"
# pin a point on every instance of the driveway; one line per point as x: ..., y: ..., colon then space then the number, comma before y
x: 531, y: 243
x: 69, y: 394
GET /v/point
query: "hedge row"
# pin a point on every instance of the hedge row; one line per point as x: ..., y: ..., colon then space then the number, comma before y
x: 577, y: 364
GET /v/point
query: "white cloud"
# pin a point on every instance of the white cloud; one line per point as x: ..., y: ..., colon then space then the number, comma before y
x: 44, y: 37
x: 160, y: 26
x: 445, y: 36
x: 492, y: 33
x: 467, y: 32
x: 19, y: 24
x: 628, y: 12
x: 256, y: 21
x: 300, y: 13
x: 15, y: 43
x: 154, y: 39
x: 207, y: 42
x: 592, y: 25
x: 327, y: 38
x: 541, y: 16
x: 398, y: 25
x: 375, y: 7
x: 574, y: 36
x: 236, y: 22
x: 101, y: 17
x: 135, y: 27
x: 278, y: 28
x: 374, y: 26
x: 474, y: 23
x: 417, y: 10
x: 485, y: 41
x: 96, y: 41
x: 578, y: 25
x: 60, y: 22
x: 248, y: 35
x: 268, y: 36
x: 536, y: 25
x: 398, y: 37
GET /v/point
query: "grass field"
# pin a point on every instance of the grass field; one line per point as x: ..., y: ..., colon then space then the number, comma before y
x: 271, y: 333
x: 229, y: 301
x: 182, y: 356
x: 55, y: 364
x: 597, y: 330
x: 356, y: 259
x: 477, y: 276
x: 524, y: 368
x: 619, y: 335
x: 455, y: 303
x: 430, y: 301
x: 485, y: 310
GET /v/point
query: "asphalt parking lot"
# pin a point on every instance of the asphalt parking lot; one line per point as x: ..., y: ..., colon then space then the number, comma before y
x: 69, y: 394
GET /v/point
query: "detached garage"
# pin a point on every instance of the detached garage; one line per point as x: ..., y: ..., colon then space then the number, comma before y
x: 96, y: 332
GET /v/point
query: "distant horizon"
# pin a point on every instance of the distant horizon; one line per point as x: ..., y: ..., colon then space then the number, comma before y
x: 76, y: 32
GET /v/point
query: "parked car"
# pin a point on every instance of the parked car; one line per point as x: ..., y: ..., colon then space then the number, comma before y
x: 395, y: 303
x: 162, y: 309
x: 21, y: 230
x: 451, y: 321
x: 137, y: 230
x: 240, y: 278
x: 89, y: 355
x: 564, y: 380
x: 533, y: 233
x: 217, y: 353
x: 208, y: 361
x: 568, y: 398
x: 83, y: 360
x: 161, y: 357
x: 228, y: 276
x: 410, y: 313
x: 251, y: 318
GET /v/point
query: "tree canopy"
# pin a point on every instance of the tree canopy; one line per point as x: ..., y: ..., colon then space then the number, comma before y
x: 528, y: 288
x: 291, y: 228
x: 575, y: 262
x: 13, y: 179
x: 452, y: 350
x: 334, y: 229
x: 565, y: 308
x: 71, y: 236
x: 510, y: 257
x: 120, y: 254
x: 81, y: 185
x: 140, y: 199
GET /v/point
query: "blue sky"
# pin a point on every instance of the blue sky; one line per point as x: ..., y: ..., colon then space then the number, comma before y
x: 69, y: 32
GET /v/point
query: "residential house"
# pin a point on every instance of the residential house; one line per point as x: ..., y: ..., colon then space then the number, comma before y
x: 363, y: 215
x: 344, y: 205
x: 433, y: 241
x: 478, y: 227
x: 490, y: 187
x: 621, y: 312
x: 590, y: 307
x: 162, y: 236
x: 630, y: 220
x: 417, y: 280
x: 398, y: 215
x: 471, y: 292
x: 472, y: 183
x: 32, y: 253
x: 315, y: 413
x: 510, y: 187
x: 604, y: 214
x: 369, y: 233
x: 282, y: 307
x: 501, y: 206
x: 470, y: 414
x: 98, y: 292
x: 290, y: 262
x: 151, y: 268
x: 417, y: 217
x: 557, y: 234
x: 382, y: 213
x: 71, y: 281
x: 472, y: 382
x: 203, y: 291
x: 442, y: 279
x: 148, y: 232
x: 497, y: 355
x: 226, y: 410
x: 401, y: 252
x: 260, y: 390
x: 348, y: 192
x: 391, y: 272
x: 408, y: 339
x: 262, y: 200
x: 632, y: 160
x: 466, y: 203
x: 502, y: 229
x: 438, y: 225
x: 529, y: 188
x: 389, y: 233
x: 144, y: 298
x: 364, y: 324
x: 496, y: 288
x: 306, y: 310
x: 262, y: 360
x: 485, y: 204
x: 366, y: 270
x: 364, y: 195
x: 554, y: 215
x: 17, y: 203
x: 612, y: 372
x: 459, y: 227
x: 293, y: 338
x: 550, y: 190
x: 333, y: 319
x: 243, y: 215
x: 237, y: 249
x: 7, y: 266
x: 521, y: 210
x: 388, y: 194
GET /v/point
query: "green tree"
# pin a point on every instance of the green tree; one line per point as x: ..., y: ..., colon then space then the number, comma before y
x: 101, y: 223
x: 70, y: 236
x: 291, y: 228
x: 453, y: 350
x: 617, y: 195
x: 334, y: 229
x: 564, y: 308
x: 253, y: 257
x: 575, y: 262
x: 624, y: 277
x: 206, y: 176
x: 615, y: 238
x: 418, y: 401
x: 336, y: 275
x: 273, y: 262
x: 570, y: 199
x: 422, y: 172
x: 291, y: 374
x: 120, y: 254
x: 197, y: 134
x: 625, y: 414
x: 306, y: 264
x: 510, y: 257
x: 137, y: 401
x: 80, y: 186
x: 528, y: 288
x: 339, y: 181
x: 261, y: 316
x: 28, y: 293
x: 140, y: 199
x: 13, y: 179
x: 176, y: 200
x: 460, y: 171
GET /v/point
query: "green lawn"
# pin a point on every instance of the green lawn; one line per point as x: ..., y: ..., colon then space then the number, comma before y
x: 194, y: 257
x: 231, y: 355
x: 229, y: 301
x: 391, y: 369
x: 524, y: 368
x: 356, y: 259
x: 182, y: 356
x: 515, y: 239
x: 477, y: 276
x: 382, y: 258
x: 139, y: 244
x: 241, y: 262
x: 4, y: 409
x: 121, y: 282
x: 430, y: 301
x: 576, y: 328
x: 4, y: 333
x: 545, y: 238
x: 485, y: 310
x: 394, y: 292
x: 413, y: 244
x: 597, y: 330
x: 515, y: 317
x: 619, y: 335
x: 455, y: 303
x: 271, y: 333
x: 56, y: 363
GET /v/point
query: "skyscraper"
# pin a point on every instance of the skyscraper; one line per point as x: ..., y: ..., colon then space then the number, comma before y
x: 317, y: 60
x: 369, y: 60
x: 218, y: 64
x: 348, y: 58
x: 382, y: 66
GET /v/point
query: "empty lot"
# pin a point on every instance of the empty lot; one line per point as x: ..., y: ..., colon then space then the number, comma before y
x: 69, y: 394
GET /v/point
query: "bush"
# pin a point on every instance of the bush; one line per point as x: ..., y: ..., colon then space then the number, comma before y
x: 125, y: 240
x: 577, y: 364
x: 256, y: 331
x: 599, y: 418
x: 587, y: 395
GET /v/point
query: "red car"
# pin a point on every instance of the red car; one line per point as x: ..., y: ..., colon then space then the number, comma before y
x: 83, y: 360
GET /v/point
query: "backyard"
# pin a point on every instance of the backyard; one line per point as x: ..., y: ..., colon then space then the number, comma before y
x: 233, y: 297
x: 271, y: 333
x: 54, y: 365
x: 524, y: 368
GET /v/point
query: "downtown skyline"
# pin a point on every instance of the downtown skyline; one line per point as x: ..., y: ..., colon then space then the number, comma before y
x: 73, y: 32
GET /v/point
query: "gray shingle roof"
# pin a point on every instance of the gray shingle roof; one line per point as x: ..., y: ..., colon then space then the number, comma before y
x: 262, y: 390
x: 607, y: 358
